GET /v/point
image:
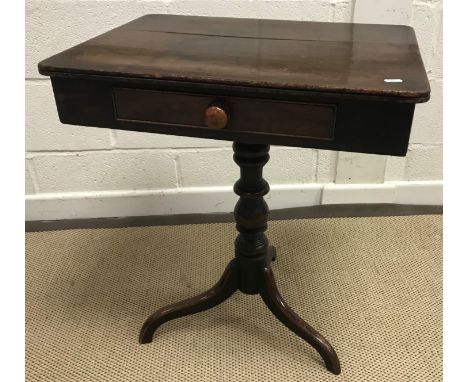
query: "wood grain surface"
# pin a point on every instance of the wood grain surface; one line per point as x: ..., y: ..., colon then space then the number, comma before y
x: 326, y: 57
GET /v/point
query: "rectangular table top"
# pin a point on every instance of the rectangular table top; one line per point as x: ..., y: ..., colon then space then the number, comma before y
x: 335, y: 86
x: 355, y: 60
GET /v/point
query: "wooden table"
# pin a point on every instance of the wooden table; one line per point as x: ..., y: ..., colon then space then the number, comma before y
x: 335, y: 86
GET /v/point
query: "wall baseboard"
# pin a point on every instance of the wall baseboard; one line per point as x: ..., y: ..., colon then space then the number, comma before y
x: 310, y: 212
x: 206, y: 200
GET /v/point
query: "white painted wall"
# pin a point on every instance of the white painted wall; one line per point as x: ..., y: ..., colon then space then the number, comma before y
x: 80, y: 172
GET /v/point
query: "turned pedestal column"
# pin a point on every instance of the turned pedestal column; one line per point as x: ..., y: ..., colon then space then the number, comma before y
x: 250, y: 270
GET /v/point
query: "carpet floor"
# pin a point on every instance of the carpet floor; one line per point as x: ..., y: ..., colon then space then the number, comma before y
x: 372, y: 286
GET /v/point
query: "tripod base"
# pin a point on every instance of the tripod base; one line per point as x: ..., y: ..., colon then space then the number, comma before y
x: 224, y: 288
x: 250, y: 271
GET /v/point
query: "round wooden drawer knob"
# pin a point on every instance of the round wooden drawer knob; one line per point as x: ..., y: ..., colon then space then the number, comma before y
x: 216, y: 117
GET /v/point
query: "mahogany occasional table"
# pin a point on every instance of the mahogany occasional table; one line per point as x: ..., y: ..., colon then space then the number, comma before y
x: 334, y: 86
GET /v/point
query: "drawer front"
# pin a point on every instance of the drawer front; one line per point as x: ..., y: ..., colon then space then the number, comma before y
x: 373, y: 126
x: 253, y: 115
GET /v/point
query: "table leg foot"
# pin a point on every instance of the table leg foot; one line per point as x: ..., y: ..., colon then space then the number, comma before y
x: 223, y: 289
x: 272, y: 298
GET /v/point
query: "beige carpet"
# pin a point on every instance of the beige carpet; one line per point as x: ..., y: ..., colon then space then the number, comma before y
x: 371, y: 286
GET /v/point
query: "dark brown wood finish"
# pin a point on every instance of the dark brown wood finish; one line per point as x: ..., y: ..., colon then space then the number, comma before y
x: 250, y: 270
x: 272, y: 298
x: 368, y: 126
x: 304, y: 84
x: 348, y: 87
x: 221, y: 291
x: 326, y: 57
x: 248, y: 114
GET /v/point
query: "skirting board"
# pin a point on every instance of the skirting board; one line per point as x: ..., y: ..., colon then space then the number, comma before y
x: 200, y: 200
